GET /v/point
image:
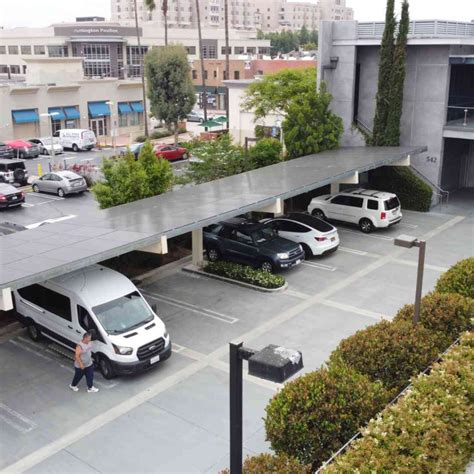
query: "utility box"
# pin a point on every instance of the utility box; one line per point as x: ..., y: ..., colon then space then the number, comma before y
x: 275, y: 363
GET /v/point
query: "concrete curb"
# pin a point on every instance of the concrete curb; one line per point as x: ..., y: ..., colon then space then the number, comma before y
x: 193, y: 269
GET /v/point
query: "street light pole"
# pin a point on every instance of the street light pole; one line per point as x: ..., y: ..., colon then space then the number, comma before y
x: 53, y: 154
x: 114, y: 123
x: 235, y: 398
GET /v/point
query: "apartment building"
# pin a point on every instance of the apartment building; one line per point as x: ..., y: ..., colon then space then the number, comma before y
x: 265, y: 15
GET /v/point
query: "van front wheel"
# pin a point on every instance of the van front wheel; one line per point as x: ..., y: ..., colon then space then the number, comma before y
x: 105, y: 368
x: 75, y: 148
x: 33, y: 331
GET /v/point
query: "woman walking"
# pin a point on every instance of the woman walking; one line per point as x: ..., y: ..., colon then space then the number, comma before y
x: 84, y: 365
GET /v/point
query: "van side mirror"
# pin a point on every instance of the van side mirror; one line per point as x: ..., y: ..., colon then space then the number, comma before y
x: 93, y: 333
x: 154, y: 308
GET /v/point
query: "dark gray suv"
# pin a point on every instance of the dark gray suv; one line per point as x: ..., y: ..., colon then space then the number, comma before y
x: 251, y: 243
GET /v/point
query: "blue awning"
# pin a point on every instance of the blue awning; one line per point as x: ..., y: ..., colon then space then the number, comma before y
x: 98, y: 109
x: 72, y: 112
x: 25, y: 116
x: 137, y: 106
x: 124, y: 108
x: 58, y: 113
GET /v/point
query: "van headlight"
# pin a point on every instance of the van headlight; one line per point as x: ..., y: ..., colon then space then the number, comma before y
x: 283, y: 256
x: 166, y: 335
x: 122, y: 350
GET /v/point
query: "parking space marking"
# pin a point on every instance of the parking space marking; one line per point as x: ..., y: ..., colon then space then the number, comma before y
x: 46, y: 196
x: 297, y: 294
x: 353, y: 309
x: 191, y: 307
x: 16, y: 420
x: 361, y: 234
x: 320, y: 266
x: 177, y: 348
x: 427, y: 265
x: 404, y: 224
x: 359, y: 252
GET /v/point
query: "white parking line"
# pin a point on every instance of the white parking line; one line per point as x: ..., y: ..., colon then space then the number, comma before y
x: 190, y: 307
x: 359, y: 252
x: 361, y: 234
x: 410, y: 263
x: 16, y: 420
x: 410, y: 226
x: 177, y: 348
x: 354, y: 309
x: 328, y: 268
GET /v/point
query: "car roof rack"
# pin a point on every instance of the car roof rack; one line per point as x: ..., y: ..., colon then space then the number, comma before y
x: 366, y: 192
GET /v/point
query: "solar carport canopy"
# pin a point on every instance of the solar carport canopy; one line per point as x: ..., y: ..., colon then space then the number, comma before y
x: 35, y: 255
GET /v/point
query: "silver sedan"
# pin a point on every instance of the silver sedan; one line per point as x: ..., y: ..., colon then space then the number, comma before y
x: 60, y: 183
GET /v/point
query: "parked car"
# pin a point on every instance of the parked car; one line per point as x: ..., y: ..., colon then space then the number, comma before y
x: 76, y: 139
x: 195, y: 116
x: 316, y: 236
x: 24, y: 148
x: 6, y: 151
x: 46, y: 146
x: 127, y: 335
x: 13, y: 171
x: 368, y: 209
x: 60, y: 183
x: 171, y: 152
x: 252, y: 243
x: 135, y: 148
x: 10, y: 196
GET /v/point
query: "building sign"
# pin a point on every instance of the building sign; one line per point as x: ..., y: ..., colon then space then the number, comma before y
x: 95, y: 31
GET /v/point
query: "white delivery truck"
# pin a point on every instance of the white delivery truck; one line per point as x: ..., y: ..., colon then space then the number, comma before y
x: 77, y: 139
x: 127, y: 335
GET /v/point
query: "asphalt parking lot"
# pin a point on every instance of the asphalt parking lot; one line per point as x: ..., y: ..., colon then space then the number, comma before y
x: 174, y: 418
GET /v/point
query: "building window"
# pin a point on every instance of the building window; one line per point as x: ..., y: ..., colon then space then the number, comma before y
x: 236, y: 74
x: 209, y: 51
x: 3, y: 69
x: 251, y: 50
x: 58, y: 51
x: 190, y: 49
x: 3, y: 49
x: 123, y: 120
x: 135, y: 118
x: 215, y: 74
x: 12, y: 49
x: 15, y: 69
x: 239, y: 50
x: 223, y: 50
x: 24, y: 68
x: 26, y: 49
x: 195, y: 75
x: 135, y: 60
x: 205, y: 74
x: 224, y: 75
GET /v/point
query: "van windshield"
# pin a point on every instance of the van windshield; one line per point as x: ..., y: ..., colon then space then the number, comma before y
x: 123, y: 314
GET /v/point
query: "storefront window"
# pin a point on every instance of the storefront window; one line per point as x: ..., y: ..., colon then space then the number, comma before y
x: 123, y: 122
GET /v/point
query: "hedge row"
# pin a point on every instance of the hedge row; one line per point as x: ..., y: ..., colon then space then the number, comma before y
x: 458, y: 279
x: 427, y: 430
x: 413, y: 192
x: 314, y: 415
x: 245, y: 274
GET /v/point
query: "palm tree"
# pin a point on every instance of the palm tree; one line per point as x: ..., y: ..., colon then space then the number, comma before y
x: 142, y: 68
x: 227, y: 62
x: 201, y: 59
x: 151, y: 5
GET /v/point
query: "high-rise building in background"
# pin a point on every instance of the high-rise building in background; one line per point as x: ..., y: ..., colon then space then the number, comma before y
x: 265, y: 15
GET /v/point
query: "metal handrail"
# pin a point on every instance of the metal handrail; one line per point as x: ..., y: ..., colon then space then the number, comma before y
x: 441, y: 192
x: 364, y: 126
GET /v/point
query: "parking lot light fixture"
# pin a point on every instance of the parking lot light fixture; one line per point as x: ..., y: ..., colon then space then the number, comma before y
x: 408, y: 242
x: 274, y: 363
x: 51, y: 115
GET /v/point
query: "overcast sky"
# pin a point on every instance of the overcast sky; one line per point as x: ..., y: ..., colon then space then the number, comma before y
x: 44, y: 12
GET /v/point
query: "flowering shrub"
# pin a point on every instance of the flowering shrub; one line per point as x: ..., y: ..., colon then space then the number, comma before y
x: 427, y: 430
x: 271, y: 464
x: 458, y: 279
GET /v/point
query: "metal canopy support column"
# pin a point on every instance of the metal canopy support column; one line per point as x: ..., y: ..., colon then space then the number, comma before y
x: 197, y: 247
x: 6, y: 301
x: 354, y: 179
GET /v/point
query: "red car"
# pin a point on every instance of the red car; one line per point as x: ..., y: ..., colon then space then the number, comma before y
x: 23, y: 149
x: 171, y: 152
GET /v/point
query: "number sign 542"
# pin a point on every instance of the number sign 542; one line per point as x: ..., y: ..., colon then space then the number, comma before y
x: 431, y: 159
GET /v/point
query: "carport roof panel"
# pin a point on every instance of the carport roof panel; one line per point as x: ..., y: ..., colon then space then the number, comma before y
x: 142, y: 223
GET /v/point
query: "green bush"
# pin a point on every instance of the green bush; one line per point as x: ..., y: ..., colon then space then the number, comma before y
x: 141, y: 139
x: 266, y: 152
x: 413, y: 192
x: 458, y: 279
x: 157, y: 134
x: 314, y: 415
x: 245, y: 274
x: 389, y: 352
x: 428, y: 430
x: 272, y: 464
x: 446, y: 314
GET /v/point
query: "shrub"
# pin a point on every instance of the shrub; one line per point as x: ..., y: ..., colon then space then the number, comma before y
x: 141, y: 139
x: 389, y: 352
x: 157, y: 134
x: 271, y: 464
x: 245, y: 274
x: 446, y: 314
x: 266, y: 152
x: 412, y: 191
x: 317, y: 413
x: 428, y: 430
x: 458, y: 279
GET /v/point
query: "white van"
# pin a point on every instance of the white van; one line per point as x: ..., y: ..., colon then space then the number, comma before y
x: 127, y: 335
x: 76, y: 138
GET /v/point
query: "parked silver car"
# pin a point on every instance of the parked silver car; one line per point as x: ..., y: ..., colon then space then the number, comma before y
x: 60, y: 183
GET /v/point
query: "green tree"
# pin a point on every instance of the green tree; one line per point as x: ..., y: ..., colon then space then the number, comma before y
x: 158, y: 171
x: 313, y: 37
x: 274, y: 93
x: 310, y: 127
x: 170, y: 87
x: 265, y: 152
x: 303, y: 35
x: 151, y: 5
x: 385, y: 76
x: 397, y: 80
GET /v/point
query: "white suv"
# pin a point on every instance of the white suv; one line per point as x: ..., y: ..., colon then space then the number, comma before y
x: 367, y: 208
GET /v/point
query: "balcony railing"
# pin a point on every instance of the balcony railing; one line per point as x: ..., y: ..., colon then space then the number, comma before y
x: 420, y: 29
x: 461, y: 116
